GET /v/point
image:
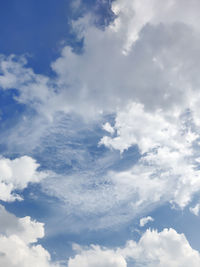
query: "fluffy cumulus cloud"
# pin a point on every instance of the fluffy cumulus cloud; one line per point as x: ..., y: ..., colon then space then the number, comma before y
x: 154, y: 249
x: 168, y: 143
x: 16, y: 174
x: 135, y: 126
x: 167, y: 248
x: 96, y: 257
x: 18, y: 237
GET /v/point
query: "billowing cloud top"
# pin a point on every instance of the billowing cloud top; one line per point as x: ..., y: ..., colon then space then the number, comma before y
x: 16, y: 174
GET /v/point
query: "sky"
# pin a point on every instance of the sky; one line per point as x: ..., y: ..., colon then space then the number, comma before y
x: 99, y: 133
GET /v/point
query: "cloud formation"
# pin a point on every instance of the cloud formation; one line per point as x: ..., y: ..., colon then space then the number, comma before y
x: 154, y: 249
x: 143, y: 68
x: 161, y: 45
x: 16, y: 174
x: 17, y: 242
x: 167, y: 170
x: 168, y: 143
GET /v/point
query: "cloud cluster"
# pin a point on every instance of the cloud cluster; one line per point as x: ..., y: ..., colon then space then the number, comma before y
x: 167, y: 170
x: 150, y: 49
x: 154, y: 249
x: 144, y: 68
x: 132, y: 16
x: 18, y: 237
x: 16, y: 174
x: 169, y: 145
x: 17, y: 242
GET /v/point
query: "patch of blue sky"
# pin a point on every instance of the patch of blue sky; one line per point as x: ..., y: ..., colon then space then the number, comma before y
x: 37, y: 28
x: 36, y: 204
x: 10, y: 110
x: 11, y: 114
x: 40, y: 28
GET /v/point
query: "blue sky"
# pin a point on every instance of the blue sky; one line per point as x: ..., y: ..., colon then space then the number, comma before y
x: 99, y: 133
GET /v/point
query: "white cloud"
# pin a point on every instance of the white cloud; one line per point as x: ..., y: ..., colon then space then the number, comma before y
x: 154, y: 249
x: 16, y: 174
x: 17, y: 242
x: 167, y: 248
x: 26, y: 229
x: 163, y: 62
x: 15, y: 75
x: 103, y: 78
x: 132, y: 16
x: 96, y: 257
x: 107, y: 127
x: 145, y: 220
x: 108, y: 85
x: 195, y: 210
x: 34, y: 89
x: 135, y: 126
x: 168, y: 144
